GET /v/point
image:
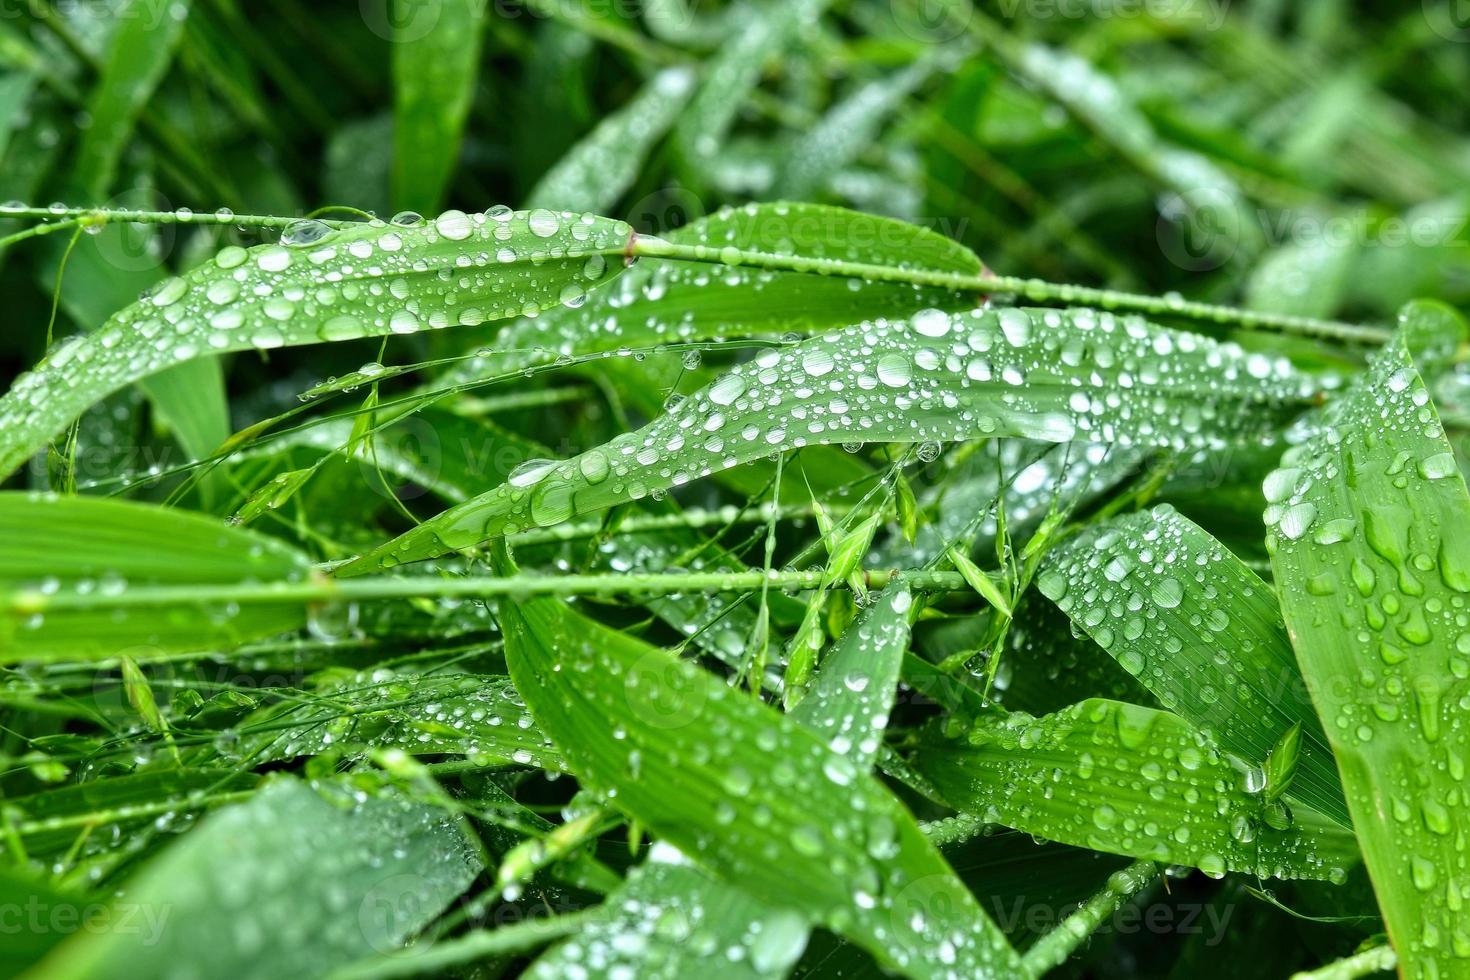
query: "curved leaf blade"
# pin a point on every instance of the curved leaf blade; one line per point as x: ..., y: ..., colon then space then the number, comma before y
x: 251, y: 894
x: 1143, y: 784
x: 601, y: 168
x: 1201, y: 631
x: 748, y: 794
x: 359, y: 280
x: 1038, y: 374
x: 1369, y: 531
x: 436, y: 54
x: 78, y: 545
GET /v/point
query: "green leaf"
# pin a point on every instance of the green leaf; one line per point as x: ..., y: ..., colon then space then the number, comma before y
x: 479, y: 717
x: 287, y: 883
x: 848, y: 704
x: 757, y: 32
x: 850, y: 697
x: 76, y: 546
x: 982, y: 583
x: 849, y: 128
x: 1140, y: 782
x: 138, y: 57
x: 1202, y: 632
x: 936, y: 377
x: 671, y: 921
x: 600, y: 168
x: 436, y: 54
x: 1369, y: 528
x: 1281, y: 764
x: 758, y: 800
x: 394, y: 280
x: 51, y: 821
x: 660, y: 301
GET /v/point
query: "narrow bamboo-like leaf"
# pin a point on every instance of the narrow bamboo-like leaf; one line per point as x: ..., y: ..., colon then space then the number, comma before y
x: 1202, y: 632
x: 1141, y: 783
x: 848, y: 128
x: 361, y: 280
x: 1369, y: 528
x: 671, y: 921
x: 660, y: 301
x: 848, y: 704
x: 49, y: 821
x: 436, y: 54
x: 89, y: 544
x: 1040, y: 374
x: 979, y: 581
x: 139, y: 55
x: 599, y: 169
x: 756, y: 32
x: 479, y: 717
x: 850, y: 697
x: 286, y: 883
x: 747, y: 793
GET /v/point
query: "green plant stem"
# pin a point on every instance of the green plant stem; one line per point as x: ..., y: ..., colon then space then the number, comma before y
x: 105, y: 216
x: 1374, y: 960
x: 135, y: 811
x: 694, y: 518
x: 468, y: 948
x: 1033, y: 289
x: 323, y: 589
x: 1038, y: 290
x: 1052, y: 949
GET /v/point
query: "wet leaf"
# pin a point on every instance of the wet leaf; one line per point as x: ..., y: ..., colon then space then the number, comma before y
x: 1368, y: 523
x: 1040, y: 374
x: 364, y: 280
x: 1141, y: 783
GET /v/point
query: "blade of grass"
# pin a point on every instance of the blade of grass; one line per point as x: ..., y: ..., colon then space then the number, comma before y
x: 835, y: 844
x: 1369, y: 531
x: 1142, y: 784
x: 88, y: 545
x: 386, y: 280
x: 435, y: 55
x: 936, y: 377
x: 1202, y: 632
x: 255, y: 896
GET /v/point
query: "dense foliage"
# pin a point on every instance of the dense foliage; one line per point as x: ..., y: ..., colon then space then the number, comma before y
x: 898, y: 486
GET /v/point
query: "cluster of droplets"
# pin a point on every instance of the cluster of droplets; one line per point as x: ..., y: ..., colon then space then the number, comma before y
x: 670, y: 918
x: 661, y: 302
x: 760, y: 800
x: 1197, y: 628
x: 1041, y: 374
x: 1136, y: 781
x: 322, y: 284
x: 481, y: 718
x: 1369, y: 529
